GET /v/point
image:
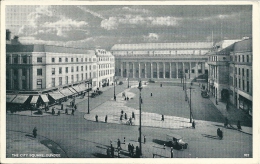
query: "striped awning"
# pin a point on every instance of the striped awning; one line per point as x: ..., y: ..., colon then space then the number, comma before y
x: 56, y: 95
x: 72, y: 90
x: 66, y: 92
x: 45, y: 98
x: 20, y: 99
x: 9, y: 98
x: 34, y: 99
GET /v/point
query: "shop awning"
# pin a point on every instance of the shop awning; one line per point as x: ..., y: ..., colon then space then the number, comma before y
x: 72, y: 90
x: 56, y: 95
x: 20, y: 99
x: 9, y: 98
x: 34, y: 99
x: 79, y: 88
x: 45, y: 98
x: 66, y: 92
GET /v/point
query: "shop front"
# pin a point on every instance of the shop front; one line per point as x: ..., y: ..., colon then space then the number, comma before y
x: 245, y: 105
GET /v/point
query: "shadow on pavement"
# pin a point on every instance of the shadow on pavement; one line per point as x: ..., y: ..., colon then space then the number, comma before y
x: 53, y: 147
x: 29, y: 135
x: 210, y: 136
x: 101, y: 147
x: 99, y: 155
x: 160, y: 142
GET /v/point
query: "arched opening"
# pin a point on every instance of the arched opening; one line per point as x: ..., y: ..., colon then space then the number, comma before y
x: 224, y: 95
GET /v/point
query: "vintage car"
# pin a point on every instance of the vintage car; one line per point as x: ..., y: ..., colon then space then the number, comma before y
x: 204, y: 94
x: 176, y: 141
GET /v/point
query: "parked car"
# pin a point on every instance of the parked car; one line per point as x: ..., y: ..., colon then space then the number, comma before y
x: 99, y: 92
x: 94, y: 94
x: 151, y: 81
x: 176, y: 141
x: 204, y: 94
x: 120, y: 83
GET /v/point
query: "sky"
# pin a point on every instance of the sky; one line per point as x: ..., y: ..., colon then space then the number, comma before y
x: 102, y: 26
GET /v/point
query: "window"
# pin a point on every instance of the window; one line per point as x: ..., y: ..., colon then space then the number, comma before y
x: 53, y: 71
x: 243, y: 73
x: 71, y: 59
x: 89, y: 74
x: 238, y: 58
x: 86, y: 67
x: 60, y: 60
x: 77, y: 60
x: 86, y: 75
x: 66, y: 79
x: 77, y: 68
x: 90, y: 67
x: 72, y: 69
x: 243, y: 84
x: 94, y: 74
x: 66, y: 59
x: 89, y: 59
x: 23, y: 72
x: 81, y: 68
x: 16, y: 60
x: 243, y: 58
x: 94, y: 66
x: 39, y: 60
x: 235, y: 70
x: 247, y: 72
x: 24, y: 59
x: 82, y: 76
x: 247, y: 58
x: 239, y: 83
x: 238, y: 71
x: 67, y: 69
x: 53, y: 82
x: 86, y: 59
x: 81, y: 59
x: 60, y: 81
x: 247, y: 86
x: 39, y: 72
x: 235, y: 58
x: 39, y: 83
x: 53, y: 60
x: 236, y: 83
x: 192, y: 71
x: 7, y: 59
x: 77, y: 76
x: 60, y: 70
x: 72, y: 78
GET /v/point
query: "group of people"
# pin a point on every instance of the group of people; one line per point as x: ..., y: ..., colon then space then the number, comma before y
x: 131, y: 150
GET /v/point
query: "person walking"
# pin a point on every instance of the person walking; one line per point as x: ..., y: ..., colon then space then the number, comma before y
x: 118, y: 144
x: 75, y: 107
x: 125, y: 116
x: 96, y: 118
x: 112, y: 151
x: 151, y: 94
x: 193, y: 124
x: 106, y: 119
x: 129, y: 148
x: 133, y: 115
x: 66, y: 111
x: 238, y: 125
x: 72, y: 112
x: 35, y: 132
x: 162, y: 117
x: 132, y: 150
x: 53, y: 111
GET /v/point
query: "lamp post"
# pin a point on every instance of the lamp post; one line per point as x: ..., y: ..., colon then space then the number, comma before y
x: 190, y: 105
x: 88, y: 96
x: 128, y: 82
x: 140, y: 130
x: 114, y: 88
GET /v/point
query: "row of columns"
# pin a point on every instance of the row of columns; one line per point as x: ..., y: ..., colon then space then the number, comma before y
x: 19, y: 81
x: 157, y: 69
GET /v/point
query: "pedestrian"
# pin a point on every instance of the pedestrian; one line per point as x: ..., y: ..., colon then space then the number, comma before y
x: 127, y: 98
x: 133, y: 115
x: 129, y: 148
x: 58, y: 113
x: 53, y: 111
x: 75, y: 107
x: 61, y: 107
x: 66, y: 111
x: 193, y: 124
x: 72, y: 112
x: 118, y: 144
x: 112, y: 151
x: 122, y: 112
x: 108, y: 155
x: 137, y: 152
x: 132, y: 150
x: 151, y: 94
x: 171, y: 152
x: 238, y: 125
x: 141, y: 100
x: 125, y: 116
x: 115, y: 98
x: 121, y: 117
x: 96, y: 118
x: 144, y: 139
x: 162, y: 117
x: 130, y: 121
x: 226, y: 122
x: 34, y: 132
x: 161, y: 84
x: 106, y: 119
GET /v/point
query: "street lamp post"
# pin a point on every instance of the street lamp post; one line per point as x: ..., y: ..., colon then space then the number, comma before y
x: 114, y: 89
x: 88, y: 96
x: 190, y: 105
x: 140, y: 131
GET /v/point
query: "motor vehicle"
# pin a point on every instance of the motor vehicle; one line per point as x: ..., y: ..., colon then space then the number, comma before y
x: 204, y: 94
x: 176, y: 141
x: 94, y: 94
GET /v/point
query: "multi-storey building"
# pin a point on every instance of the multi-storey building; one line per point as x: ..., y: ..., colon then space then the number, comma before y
x: 161, y: 60
x: 53, y: 71
x: 105, y: 67
x: 230, y: 73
